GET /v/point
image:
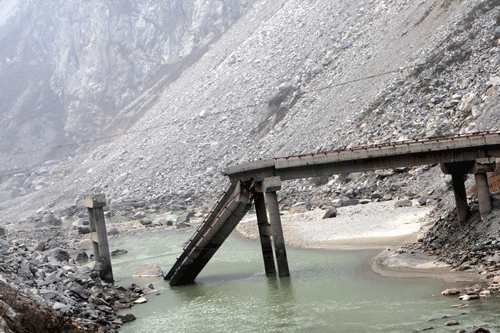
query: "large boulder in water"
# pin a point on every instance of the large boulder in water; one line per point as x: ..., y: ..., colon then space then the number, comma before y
x: 148, y: 270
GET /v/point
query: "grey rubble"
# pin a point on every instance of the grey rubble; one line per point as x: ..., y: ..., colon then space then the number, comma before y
x: 65, y: 286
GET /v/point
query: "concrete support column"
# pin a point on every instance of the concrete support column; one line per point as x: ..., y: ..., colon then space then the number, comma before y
x: 460, y: 197
x: 483, y: 193
x: 269, y: 186
x: 278, y: 239
x: 265, y: 234
x: 99, y: 236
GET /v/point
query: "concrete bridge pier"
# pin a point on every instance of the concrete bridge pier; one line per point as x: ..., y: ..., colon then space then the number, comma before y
x: 479, y: 168
x: 265, y: 234
x: 460, y: 197
x: 269, y: 186
x: 99, y: 236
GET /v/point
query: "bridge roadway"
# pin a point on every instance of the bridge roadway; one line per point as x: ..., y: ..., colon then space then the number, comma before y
x: 260, y: 180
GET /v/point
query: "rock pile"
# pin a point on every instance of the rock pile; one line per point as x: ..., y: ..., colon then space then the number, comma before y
x: 54, y: 280
x: 473, y: 246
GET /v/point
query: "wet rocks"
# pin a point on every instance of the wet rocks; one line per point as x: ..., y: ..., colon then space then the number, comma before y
x: 118, y: 252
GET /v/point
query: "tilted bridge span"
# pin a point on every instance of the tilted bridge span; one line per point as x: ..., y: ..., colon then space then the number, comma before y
x: 259, y: 181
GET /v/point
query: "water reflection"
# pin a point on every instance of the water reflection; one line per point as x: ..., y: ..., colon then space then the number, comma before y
x: 189, y: 292
x: 281, y: 302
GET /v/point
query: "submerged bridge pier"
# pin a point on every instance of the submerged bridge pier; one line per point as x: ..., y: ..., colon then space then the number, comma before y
x: 258, y: 182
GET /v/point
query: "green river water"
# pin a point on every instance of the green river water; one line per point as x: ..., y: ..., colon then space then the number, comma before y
x: 328, y: 291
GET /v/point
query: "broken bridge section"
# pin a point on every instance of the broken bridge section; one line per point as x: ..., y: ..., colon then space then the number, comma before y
x: 260, y: 180
x: 224, y: 217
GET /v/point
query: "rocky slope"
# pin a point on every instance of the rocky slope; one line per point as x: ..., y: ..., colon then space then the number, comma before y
x: 295, y: 77
x: 67, y: 68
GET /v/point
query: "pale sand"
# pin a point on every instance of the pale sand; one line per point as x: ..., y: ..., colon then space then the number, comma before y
x: 374, y: 225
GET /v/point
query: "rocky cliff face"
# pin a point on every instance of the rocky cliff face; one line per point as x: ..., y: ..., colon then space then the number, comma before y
x: 68, y: 67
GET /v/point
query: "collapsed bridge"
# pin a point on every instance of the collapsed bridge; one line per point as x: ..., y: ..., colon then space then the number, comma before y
x: 259, y: 181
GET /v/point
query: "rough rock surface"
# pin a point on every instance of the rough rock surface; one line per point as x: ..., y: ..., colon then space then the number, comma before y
x: 58, y: 283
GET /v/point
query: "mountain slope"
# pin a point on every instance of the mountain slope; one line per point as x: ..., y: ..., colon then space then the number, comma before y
x: 68, y: 67
x: 293, y: 77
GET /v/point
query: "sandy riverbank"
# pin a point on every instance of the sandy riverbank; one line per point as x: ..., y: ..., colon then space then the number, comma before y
x: 377, y: 225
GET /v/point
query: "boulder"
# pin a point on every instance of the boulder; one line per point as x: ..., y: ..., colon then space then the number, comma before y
x: 451, y: 323
x: 185, y: 217
x: 60, y: 254
x: 127, y: 318
x: 403, y: 203
x: 300, y: 207
x: 468, y: 297
x: 40, y: 247
x: 148, y: 270
x: 350, y: 202
x: 52, y: 219
x: 82, y: 256
x: 182, y: 225
x: 146, y: 222
x: 141, y: 300
x: 476, y: 329
x: 83, y: 230
x: 451, y: 292
x: 330, y: 212
x: 139, y: 215
x: 2, y: 231
x: 113, y: 232
x: 118, y: 252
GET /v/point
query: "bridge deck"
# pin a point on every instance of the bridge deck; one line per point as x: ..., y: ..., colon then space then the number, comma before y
x: 449, y: 149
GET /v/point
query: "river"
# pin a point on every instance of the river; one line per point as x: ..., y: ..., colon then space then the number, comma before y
x: 328, y: 291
